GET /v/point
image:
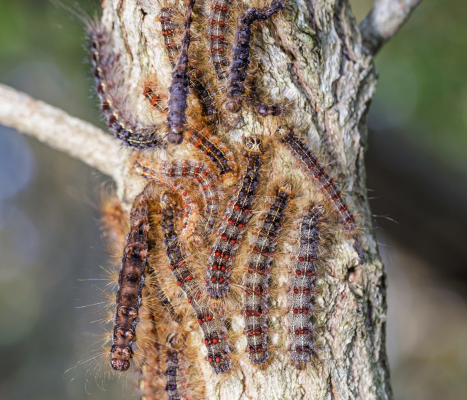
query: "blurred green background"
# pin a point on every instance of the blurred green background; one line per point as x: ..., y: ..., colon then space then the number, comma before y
x: 50, y: 242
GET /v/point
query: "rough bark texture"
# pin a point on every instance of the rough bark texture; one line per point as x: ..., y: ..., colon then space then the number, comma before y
x: 315, y: 51
x: 314, y: 54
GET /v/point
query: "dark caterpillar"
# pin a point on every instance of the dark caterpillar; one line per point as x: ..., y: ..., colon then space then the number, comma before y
x: 171, y: 375
x: 217, y: 34
x: 169, y: 30
x: 314, y: 168
x: 241, y: 52
x: 200, y: 87
x: 235, y: 219
x: 214, y: 331
x: 107, y: 75
x: 178, y: 90
x: 302, y: 288
x: 215, y: 154
x: 130, y: 285
x: 256, y: 279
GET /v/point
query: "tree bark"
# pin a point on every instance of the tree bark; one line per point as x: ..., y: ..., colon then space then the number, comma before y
x: 314, y: 56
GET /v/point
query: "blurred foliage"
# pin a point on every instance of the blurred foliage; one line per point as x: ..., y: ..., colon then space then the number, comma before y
x: 422, y: 90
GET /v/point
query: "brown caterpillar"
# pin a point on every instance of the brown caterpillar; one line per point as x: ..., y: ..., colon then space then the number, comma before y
x: 178, y: 90
x: 234, y: 223
x: 130, y: 285
x: 316, y: 171
x: 169, y: 30
x: 302, y: 289
x: 149, y: 91
x: 213, y: 151
x: 256, y: 279
x: 218, y: 31
x: 201, y: 89
x: 108, y: 78
x: 204, y: 177
x: 241, y: 52
x: 214, y: 331
x: 171, y: 375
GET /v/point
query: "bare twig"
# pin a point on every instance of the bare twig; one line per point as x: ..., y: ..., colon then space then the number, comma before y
x: 59, y: 130
x: 384, y: 20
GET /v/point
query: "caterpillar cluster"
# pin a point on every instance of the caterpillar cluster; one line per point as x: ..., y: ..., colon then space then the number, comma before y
x: 184, y: 247
x: 256, y: 278
x: 188, y: 75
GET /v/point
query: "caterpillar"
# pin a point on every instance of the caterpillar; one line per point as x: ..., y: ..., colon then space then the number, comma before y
x: 169, y: 30
x: 218, y: 31
x: 234, y: 222
x: 214, y: 331
x: 314, y: 168
x: 213, y: 151
x: 149, y: 91
x: 171, y: 375
x: 204, y: 177
x: 201, y: 89
x: 108, y: 79
x: 241, y: 52
x: 178, y: 90
x: 130, y: 285
x: 256, y: 278
x: 302, y: 290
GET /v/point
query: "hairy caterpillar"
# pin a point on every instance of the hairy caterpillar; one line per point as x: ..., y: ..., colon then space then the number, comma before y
x: 149, y: 91
x: 202, y: 175
x: 234, y: 223
x: 218, y: 32
x: 130, y: 285
x: 241, y: 52
x: 107, y: 75
x: 169, y: 31
x: 255, y: 280
x: 213, y: 151
x: 302, y: 290
x: 178, y: 90
x: 311, y: 165
x: 214, y: 331
x: 202, y: 91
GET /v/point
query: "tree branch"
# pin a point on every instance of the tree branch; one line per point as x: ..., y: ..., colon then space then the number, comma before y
x: 384, y: 20
x: 59, y: 130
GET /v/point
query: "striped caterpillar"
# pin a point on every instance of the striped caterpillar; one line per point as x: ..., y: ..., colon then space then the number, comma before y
x: 256, y: 278
x: 203, y: 176
x: 178, y: 90
x: 234, y: 223
x: 241, y: 52
x: 214, y: 331
x: 149, y: 91
x: 169, y: 30
x: 302, y: 290
x: 213, y: 151
x: 171, y: 375
x: 218, y: 31
x: 108, y: 77
x: 316, y: 171
x: 130, y: 285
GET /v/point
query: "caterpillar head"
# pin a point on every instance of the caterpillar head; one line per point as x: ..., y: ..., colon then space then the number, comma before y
x: 253, y: 144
